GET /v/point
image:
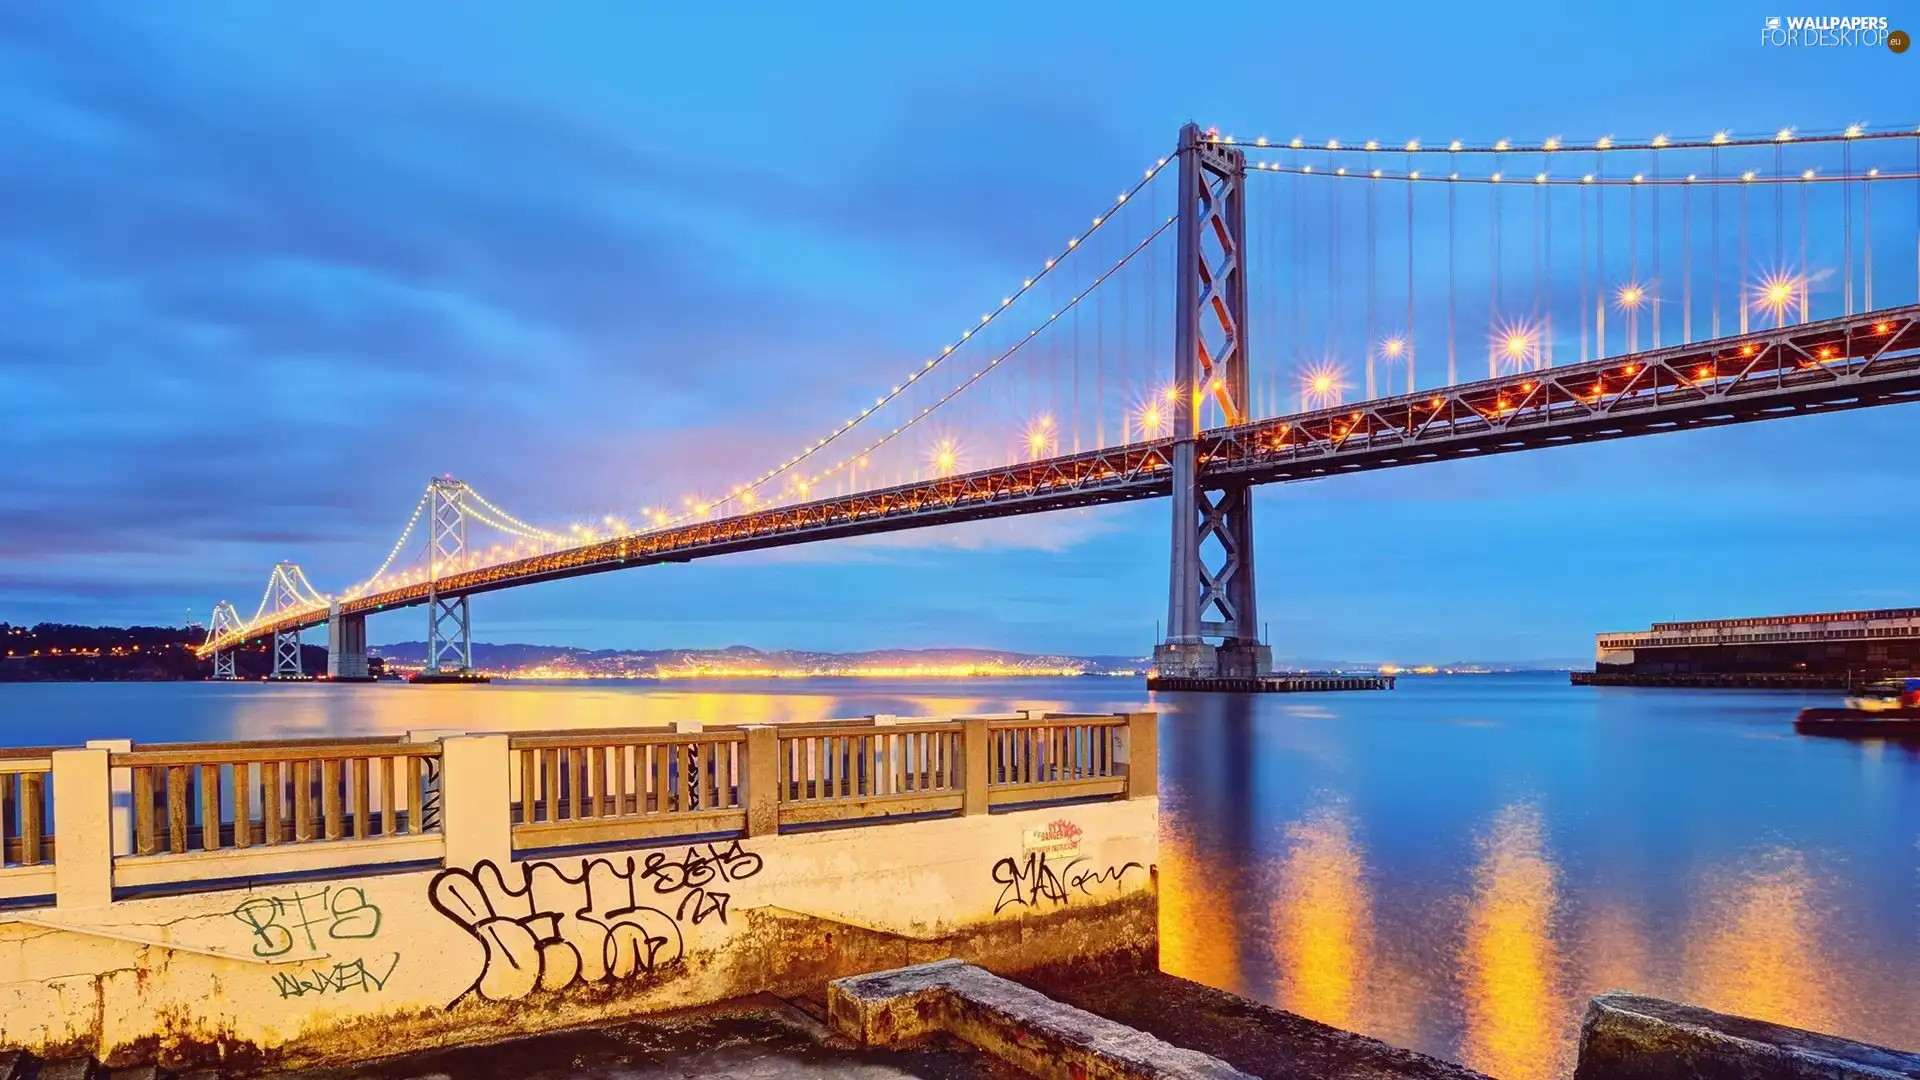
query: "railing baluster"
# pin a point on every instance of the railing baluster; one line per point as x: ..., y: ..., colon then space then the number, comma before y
x: 603, y: 803
x: 32, y: 807
x: 528, y: 771
x: 146, y: 827
x: 209, y: 808
x: 330, y: 796
x: 415, y: 826
x: 620, y: 780
x: 272, y: 798
x: 242, y: 804
x: 662, y: 777
x: 302, y: 800
x: 389, y: 821
x: 177, y: 809
x: 357, y: 784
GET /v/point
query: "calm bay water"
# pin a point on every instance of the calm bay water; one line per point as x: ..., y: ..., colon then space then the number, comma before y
x: 1455, y: 866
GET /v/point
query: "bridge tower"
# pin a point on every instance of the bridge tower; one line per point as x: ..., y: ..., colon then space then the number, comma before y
x: 225, y: 621
x: 283, y: 594
x: 1212, y: 588
x: 449, y: 624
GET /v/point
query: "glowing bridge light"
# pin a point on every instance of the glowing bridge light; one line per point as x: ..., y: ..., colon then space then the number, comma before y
x: 1630, y: 296
x: 1393, y: 348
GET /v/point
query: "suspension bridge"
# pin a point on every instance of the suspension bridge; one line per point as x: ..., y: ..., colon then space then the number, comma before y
x: 1327, y: 307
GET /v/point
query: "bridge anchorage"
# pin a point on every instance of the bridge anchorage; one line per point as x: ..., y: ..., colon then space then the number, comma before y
x: 1211, y: 586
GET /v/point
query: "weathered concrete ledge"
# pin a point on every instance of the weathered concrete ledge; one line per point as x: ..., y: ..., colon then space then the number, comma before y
x: 1629, y: 1037
x: 1021, y: 1026
x: 1269, y: 1043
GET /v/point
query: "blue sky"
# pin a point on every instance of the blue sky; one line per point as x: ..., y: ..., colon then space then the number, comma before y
x: 264, y: 269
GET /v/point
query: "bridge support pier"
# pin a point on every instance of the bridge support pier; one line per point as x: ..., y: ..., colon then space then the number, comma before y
x: 1211, y: 587
x: 346, y: 646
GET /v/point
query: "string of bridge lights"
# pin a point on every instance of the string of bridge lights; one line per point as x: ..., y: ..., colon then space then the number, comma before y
x: 1750, y: 176
x: 1006, y: 302
x: 1552, y: 144
x: 1005, y: 355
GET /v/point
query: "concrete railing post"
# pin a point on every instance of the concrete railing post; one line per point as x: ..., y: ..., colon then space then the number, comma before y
x: 1141, y: 753
x: 763, y: 780
x: 83, y: 829
x: 122, y: 781
x: 475, y: 800
x: 974, y: 764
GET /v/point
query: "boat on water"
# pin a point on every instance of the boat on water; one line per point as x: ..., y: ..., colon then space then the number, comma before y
x: 1883, y: 710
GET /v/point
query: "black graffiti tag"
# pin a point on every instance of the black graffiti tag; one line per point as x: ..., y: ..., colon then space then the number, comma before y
x: 1084, y: 878
x: 694, y: 873
x: 278, y: 922
x: 554, y: 929
x: 1026, y: 883
x: 353, y: 975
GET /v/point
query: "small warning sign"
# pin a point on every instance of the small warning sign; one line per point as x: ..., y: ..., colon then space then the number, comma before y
x: 1058, y: 837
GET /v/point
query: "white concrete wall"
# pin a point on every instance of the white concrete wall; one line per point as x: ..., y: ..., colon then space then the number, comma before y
x: 339, y: 969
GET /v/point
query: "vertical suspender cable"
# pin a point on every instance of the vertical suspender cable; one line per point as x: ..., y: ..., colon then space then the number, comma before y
x: 1372, y: 283
x: 1741, y: 280
x: 1866, y: 242
x: 1453, y: 373
x: 1686, y: 263
x: 1846, y: 200
x: 1582, y: 313
x: 1493, y: 284
x: 1659, y: 286
x: 1546, y: 315
x: 1714, y: 266
x: 1600, y: 255
x: 1408, y: 346
x: 1804, y: 277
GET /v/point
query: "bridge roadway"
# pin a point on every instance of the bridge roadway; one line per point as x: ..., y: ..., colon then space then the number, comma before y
x: 1838, y: 364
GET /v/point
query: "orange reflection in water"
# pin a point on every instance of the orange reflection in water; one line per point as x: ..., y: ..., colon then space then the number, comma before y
x: 1200, y: 909
x: 1323, y: 923
x: 1615, y: 954
x: 1516, y: 1021
x: 315, y: 710
x: 1753, y: 944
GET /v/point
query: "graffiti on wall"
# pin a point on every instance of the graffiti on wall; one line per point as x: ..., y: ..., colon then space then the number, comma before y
x: 279, y: 922
x: 1050, y: 868
x: 551, y: 929
x: 336, y: 978
x: 430, y: 795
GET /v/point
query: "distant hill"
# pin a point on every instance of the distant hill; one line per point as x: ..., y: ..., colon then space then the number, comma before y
x: 743, y: 659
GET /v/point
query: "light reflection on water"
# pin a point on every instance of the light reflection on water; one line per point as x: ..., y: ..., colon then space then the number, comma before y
x: 1454, y: 866
x: 1458, y: 865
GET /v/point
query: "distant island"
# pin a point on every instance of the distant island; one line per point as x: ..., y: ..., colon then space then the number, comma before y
x: 55, y: 652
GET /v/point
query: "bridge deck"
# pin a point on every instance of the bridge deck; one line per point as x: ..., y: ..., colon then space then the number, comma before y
x: 1836, y: 364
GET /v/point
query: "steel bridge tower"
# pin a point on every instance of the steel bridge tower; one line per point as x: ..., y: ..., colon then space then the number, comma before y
x: 1212, y: 588
x: 225, y: 621
x: 449, y: 624
x: 284, y: 595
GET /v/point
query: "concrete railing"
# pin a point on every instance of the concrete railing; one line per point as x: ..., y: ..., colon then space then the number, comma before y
x: 194, y: 816
x: 26, y: 842
x: 221, y: 810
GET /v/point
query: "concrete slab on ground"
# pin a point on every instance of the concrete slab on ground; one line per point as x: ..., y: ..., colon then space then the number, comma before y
x: 757, y: 1041
x: 1253, y: 1038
